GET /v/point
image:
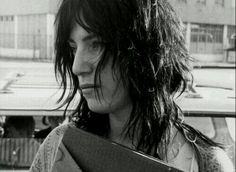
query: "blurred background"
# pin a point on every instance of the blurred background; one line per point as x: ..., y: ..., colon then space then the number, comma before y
x: 26, y: 28
x: 29, y: 90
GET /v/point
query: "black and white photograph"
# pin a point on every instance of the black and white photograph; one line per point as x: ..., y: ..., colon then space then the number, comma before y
x: 117, y: 85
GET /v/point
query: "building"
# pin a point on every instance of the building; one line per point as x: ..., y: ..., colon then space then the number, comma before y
x: 26, y: 28
x: 210, y: 27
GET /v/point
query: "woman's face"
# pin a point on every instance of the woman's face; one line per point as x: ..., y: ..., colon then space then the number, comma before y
x: 88, y: 50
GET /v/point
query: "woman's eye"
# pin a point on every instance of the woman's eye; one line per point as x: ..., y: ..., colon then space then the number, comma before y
x: 95, y: 47
x: 73, y: 49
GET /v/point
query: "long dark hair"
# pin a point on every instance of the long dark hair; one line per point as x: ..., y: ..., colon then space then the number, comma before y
x: 145, y: 38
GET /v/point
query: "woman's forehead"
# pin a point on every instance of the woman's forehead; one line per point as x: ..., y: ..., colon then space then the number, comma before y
x: 79, y: 24
x: 78, y: 32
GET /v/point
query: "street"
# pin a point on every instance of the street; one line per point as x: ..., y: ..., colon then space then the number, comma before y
x: 32, y: 85
x: 23, y: 85
x: 25, y: 67
x: 43, y: 72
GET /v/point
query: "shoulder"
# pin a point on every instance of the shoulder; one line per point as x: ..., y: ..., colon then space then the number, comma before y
x: 215, y: 159
x: 45, y: 156
x: 181, y: 154
x: 59, y: 131
x: 196, y: 155
x: 55, y: 136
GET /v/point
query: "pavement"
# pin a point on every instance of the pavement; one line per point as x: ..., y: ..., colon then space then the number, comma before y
x: 8, y: 68
x: 215, y: 65
x: 29, y: 88
x: 36, y: 79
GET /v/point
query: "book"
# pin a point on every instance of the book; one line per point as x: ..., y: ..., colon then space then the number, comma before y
x: 95, y: 154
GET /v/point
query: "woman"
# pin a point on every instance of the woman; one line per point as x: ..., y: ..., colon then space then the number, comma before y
x: 127, y: 60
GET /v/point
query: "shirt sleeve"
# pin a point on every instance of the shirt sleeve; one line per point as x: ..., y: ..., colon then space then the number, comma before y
x: 45, y: 157
x: 217, y: 160
x: 64, y: 161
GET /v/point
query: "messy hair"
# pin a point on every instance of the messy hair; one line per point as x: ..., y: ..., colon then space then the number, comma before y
x: 145, y: 40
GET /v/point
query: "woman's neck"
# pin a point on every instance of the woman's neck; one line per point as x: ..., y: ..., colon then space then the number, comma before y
x: 118, y: 121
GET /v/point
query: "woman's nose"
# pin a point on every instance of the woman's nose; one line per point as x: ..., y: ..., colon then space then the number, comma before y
x: 81, y: 65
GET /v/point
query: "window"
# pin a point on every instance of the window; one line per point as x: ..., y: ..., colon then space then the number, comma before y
x: 6, y: 18
x: 219, y: 2
x: 206, y: 39
x: 182, y: 1
x: 12, y: 18
x: 207, y: 33
x: 231, y: 35
x: 203, y: 2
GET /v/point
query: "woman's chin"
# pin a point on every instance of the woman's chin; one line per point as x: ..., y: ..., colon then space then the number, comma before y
x: 97, y: 107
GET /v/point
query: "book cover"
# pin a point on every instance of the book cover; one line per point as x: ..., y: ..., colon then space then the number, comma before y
x: 95, y: 154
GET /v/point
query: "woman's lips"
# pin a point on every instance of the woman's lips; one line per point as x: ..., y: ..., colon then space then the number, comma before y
x: 87, y: 88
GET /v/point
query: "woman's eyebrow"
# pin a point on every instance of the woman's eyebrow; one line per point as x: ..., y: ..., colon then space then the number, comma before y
x: 84, y: 39
x: 89, y: 37
x: 71, y: 41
